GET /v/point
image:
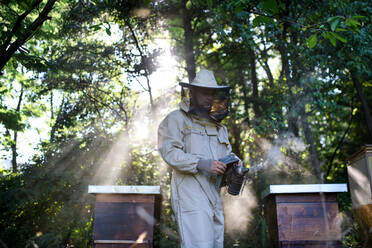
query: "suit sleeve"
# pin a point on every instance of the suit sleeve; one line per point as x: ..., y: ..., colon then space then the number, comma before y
x: 171, y: 144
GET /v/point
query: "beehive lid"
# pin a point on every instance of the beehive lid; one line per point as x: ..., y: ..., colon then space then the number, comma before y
x: 365, y: 149
x: 127, y: 189
x: 304, y: 188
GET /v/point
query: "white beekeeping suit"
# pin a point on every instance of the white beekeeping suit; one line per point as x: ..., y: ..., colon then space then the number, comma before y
x: 189, y: 141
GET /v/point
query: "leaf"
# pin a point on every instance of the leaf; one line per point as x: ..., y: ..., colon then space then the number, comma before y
x: 24, y: 5
x: 340, y: 29
x: 267, y: 20
x: 95, y: 27
x: 270, y: 6
x: 108, y: 31
x: 332, y: 40
x: 257, y: 21
x: 333, y: 18
x: 311, y: 42
x: 334, y: 24
x: 11, y: 119
x: 358, y: 17
x: 340, y: 38
x: 282, y: 5
x: 352, y: 23
x: 334, y: 21
x: 355, y: 110
x: 238, y: 9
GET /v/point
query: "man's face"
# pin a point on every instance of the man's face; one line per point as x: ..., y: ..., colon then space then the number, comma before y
x: 203, y: 97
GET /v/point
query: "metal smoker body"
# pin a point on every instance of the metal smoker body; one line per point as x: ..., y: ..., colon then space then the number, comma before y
x: 234, y: 176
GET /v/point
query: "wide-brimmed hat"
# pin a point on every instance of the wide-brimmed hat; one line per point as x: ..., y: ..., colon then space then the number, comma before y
x: 205, y: 79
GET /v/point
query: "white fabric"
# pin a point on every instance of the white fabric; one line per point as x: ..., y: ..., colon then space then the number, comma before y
x: 205, y: 79
x: 183, y: 141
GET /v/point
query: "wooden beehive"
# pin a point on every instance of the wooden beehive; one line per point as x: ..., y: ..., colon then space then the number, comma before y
x: 125, y: 216
x: 303, y: 215
x: 360, y: 181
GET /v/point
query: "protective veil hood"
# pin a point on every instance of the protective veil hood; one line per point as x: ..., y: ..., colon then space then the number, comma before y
x: 221, y: 103
x: 217, y: 113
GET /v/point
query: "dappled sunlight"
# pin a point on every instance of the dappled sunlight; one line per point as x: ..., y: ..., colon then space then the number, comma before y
x: 141, y: 12
x: 140, y: 131
x: 164, y: 78
x: 360, y: 194
x: 85, y: 84
x: 109, y: 169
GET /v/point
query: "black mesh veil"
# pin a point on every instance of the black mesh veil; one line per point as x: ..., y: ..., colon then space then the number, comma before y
x: 220, y: 107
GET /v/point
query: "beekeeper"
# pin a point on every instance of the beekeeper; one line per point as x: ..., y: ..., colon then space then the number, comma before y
x: 191, y: 140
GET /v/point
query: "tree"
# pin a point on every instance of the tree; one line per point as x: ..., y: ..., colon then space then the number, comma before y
x: 19, y: 31
x: 91, y: 100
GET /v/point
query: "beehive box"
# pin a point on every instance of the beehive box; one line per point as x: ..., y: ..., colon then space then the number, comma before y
x: 360, y: 181
x: 303, y: 215
x: 125, y: 216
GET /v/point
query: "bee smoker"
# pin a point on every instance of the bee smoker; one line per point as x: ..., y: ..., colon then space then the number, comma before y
x: 234, y: 176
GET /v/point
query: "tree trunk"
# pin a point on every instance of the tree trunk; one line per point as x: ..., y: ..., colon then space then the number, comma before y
x: 266, y: 67
x: 15, y: 136
x: 292, y: 115
x: 236, y: 132
x: 293, y: 69
x: 252, y: 62
x: 14, y: 152
x: 282, y: 46
x: 242, y: 82
x: 363, y: 101
x: 310, y: 140
x: 57, y: 121
x: 297, y: 73
x: 51, y: 107
x: 188, y: 42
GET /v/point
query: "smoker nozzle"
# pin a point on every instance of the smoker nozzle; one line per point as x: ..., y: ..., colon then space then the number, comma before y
x: 240, y: 170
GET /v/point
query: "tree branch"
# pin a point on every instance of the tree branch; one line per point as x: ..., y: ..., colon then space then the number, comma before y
x: 16, y: 26
x: 142, y: 59
x: 342, y: 139
x: 10, y: 50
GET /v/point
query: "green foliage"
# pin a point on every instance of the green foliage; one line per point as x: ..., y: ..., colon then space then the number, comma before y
x: 78, y: 74
x: 311, y: 42
x: 11, y: 119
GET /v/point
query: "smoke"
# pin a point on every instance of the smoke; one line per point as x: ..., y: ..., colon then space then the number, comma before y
x: 282, y: 161
x: 277, y: 162
x: 238, y: 210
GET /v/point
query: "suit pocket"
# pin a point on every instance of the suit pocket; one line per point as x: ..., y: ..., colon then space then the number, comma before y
x: 195, y: 141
